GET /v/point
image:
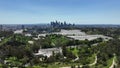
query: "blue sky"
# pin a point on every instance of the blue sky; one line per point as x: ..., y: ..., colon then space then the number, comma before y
x: 71, y: 11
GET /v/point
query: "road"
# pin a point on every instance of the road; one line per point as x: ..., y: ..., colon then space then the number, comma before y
x: 93, y: 62
x: 113, y: 63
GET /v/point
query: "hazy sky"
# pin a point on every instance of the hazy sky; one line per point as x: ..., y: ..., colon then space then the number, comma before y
x: 71, y: 11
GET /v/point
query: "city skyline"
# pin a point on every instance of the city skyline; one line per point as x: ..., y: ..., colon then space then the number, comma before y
x: 71, y: 11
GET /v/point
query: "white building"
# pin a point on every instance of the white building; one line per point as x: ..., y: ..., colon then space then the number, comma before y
x: 18, y: 32
x: 90, y: 37
x: 49, y: 51
x: 29, y: 35
x: 70, y: 32
x: 78, y: 35
x: 31, y: 42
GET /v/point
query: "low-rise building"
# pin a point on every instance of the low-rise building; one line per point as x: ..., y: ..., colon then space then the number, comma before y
x: 29, y: 35
x: 49, y: 51
x: 31, y: 42
x: 18, y: 32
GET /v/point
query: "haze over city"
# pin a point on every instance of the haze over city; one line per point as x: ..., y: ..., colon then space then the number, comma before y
x: 59, y: 33
x: 71, y: 11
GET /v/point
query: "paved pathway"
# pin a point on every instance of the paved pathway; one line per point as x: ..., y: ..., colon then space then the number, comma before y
x: 93, y: 62
x: 113, y: 63
x: 84, y: 65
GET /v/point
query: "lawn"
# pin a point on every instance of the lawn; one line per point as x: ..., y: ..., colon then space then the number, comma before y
x: 74, y: 51
x: 91, y: 58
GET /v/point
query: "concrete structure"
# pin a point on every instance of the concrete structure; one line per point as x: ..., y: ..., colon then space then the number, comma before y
x: 42, y: 35
x: 18, y: 32
x: 77, y: 35
x: 31, y: 42
x: 29, y: 35
x: 70, y: 33
x: 90, y: 37
x: 49, y: 51
x: 36, y: 38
